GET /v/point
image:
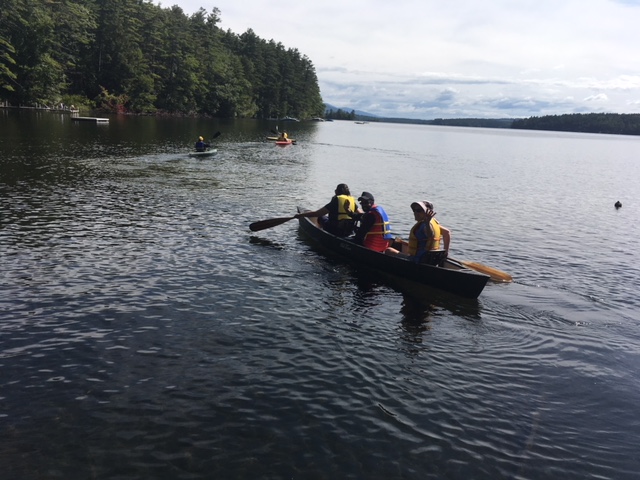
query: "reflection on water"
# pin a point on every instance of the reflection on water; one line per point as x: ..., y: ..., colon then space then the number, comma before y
x: 145, y: 332
x: 265, y: 242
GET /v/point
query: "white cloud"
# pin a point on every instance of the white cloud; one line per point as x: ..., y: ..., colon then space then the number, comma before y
x: 601, y: 97
x: 425, y: 58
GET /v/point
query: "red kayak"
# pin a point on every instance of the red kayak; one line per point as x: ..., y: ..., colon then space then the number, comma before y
x: 284, y: 142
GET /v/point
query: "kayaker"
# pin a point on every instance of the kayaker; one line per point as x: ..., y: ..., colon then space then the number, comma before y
x: 427, y: 235
x: 283, y: 137
x: 201, y: 146
x: 336, y: 217
x: 374, y: 231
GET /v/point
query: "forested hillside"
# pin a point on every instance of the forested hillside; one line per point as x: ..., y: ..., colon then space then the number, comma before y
x: 610, y: 123
x: 613, y: 123
x: 134, y: 56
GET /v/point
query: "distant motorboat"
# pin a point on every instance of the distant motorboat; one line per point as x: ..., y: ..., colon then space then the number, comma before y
x: 289, y: 119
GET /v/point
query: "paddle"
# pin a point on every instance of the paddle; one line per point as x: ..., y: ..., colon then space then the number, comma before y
x: 495, y: 274
x: 269, y: 223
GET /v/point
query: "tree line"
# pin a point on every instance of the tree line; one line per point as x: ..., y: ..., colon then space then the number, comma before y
x: 134, y: 56
x: 612, y: 123
x: 340, y: 114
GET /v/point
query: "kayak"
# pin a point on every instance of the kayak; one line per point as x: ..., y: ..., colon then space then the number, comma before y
x: 278, y: 138
x: 206, y: 153
x: 284, y: 142
x: 447, y: 275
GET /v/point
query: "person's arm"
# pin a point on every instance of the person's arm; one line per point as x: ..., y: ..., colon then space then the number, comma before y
x: 317, y: 213
x: 446, y: 237
x: 321, y: 211
x: 355, y: 215
x: 366, y: 222
x: 428, y: 216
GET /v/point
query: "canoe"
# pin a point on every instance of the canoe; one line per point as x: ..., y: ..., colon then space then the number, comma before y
x: 452, y: 277
x: 206, y: 153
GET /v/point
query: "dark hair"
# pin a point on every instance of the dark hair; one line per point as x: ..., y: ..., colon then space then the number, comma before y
x: 343, y: 189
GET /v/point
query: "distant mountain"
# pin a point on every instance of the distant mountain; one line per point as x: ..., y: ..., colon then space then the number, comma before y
x: 453, y: 122
x: 359, y: 113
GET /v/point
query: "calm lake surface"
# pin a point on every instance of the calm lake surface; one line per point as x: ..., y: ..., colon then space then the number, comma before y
x: 146, y: 333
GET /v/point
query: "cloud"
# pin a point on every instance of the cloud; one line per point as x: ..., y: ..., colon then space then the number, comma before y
x: 601, y: 97
x: 466, y: 58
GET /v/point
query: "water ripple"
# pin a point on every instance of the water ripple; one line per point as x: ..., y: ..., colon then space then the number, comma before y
x: 146, y: 332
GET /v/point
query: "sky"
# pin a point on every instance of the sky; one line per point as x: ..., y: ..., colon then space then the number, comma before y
x: 426, y: 59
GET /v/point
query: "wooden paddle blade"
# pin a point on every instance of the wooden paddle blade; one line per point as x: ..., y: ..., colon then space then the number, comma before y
x: 495, y: 274
x: 269, y: 223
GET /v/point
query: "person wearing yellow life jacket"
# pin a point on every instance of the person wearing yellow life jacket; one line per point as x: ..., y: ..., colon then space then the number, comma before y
x: 374, y: 231
x: 427, y: 235
x: 336, y: 217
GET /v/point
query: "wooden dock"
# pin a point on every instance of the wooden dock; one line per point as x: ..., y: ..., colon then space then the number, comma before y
x: 90, y: 119
x: 72, y: 110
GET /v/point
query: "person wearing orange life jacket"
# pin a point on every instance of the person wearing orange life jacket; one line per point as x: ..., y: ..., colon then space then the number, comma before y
x: 336, y: 217
x: 427, y: 235
x: 374, y: 231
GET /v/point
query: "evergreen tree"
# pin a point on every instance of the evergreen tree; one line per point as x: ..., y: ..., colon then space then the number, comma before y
x: 134, y: 56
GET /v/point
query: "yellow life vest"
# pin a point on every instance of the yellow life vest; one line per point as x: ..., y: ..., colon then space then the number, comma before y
x: 342, y: 212
x: 419, y: 242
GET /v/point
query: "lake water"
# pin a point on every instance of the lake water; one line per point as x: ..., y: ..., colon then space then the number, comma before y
x: 146, y: 333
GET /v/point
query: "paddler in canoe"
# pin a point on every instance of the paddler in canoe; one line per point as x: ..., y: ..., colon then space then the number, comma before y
x: 336, y: 217
x: 428, y: 240
x: 374, y: 230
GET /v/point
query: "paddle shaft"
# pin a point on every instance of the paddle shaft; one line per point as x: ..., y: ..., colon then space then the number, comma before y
x: 269, y: 223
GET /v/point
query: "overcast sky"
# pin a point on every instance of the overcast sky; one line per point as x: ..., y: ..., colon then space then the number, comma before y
x: 462, y: 58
